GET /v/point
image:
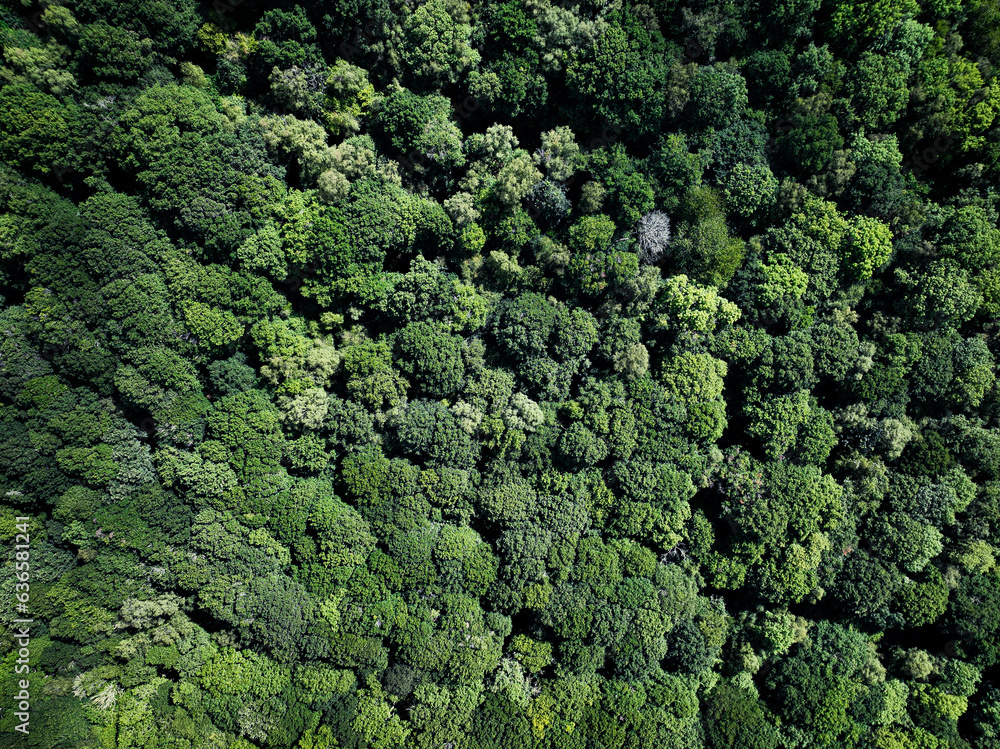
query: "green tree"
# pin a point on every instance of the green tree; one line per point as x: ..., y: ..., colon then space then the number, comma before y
x: 707, y: 250
x: 869, y: 243
x: 432, y: 357
x: 429, y: 430
x: 38, y: 129
x: 718, y: 97
x: 435, y: 45
x: 616, y: 76
x: 879, y: 89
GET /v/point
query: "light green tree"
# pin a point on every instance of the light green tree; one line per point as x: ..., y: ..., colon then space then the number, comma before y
x: 435, y: 44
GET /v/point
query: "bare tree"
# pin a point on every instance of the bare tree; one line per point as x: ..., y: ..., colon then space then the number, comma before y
x: 676, y: 554
x: 653, y: 234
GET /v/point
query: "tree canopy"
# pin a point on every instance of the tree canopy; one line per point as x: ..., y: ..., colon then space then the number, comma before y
x: 500, y: 375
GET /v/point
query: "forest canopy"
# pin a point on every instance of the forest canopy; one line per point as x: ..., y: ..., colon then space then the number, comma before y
x: 557, y: 374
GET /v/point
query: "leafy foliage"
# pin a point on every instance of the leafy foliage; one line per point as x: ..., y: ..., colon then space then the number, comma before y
x: 501, y: 374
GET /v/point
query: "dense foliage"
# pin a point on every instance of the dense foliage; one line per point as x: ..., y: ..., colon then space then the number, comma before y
x: 573, y: 374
